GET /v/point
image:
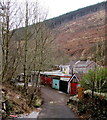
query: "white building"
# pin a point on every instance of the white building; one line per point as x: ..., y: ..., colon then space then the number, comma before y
x: 65, y: 69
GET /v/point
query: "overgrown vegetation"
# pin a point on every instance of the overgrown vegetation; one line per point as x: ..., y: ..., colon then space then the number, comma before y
x: 89, y: 107
x: 94, y: 102
x: 18, y: 102
x: 95, y: 80
x: 24, y: 51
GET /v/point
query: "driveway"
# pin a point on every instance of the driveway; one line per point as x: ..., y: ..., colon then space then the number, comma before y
x: 55, y: 104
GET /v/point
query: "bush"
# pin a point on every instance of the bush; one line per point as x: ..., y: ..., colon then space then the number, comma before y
x: 92, y: 107
x: 95, y: 80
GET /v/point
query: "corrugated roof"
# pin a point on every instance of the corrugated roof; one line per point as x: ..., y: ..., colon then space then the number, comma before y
x: 55, y: 73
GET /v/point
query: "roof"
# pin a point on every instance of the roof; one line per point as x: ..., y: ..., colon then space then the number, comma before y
x: 55, y: 73
x: 71, y: 63
x: 64, y: 65
x: 83, y: 63
x: 73, y: 77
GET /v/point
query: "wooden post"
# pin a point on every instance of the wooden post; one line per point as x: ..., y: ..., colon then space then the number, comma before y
x: 80, y: 92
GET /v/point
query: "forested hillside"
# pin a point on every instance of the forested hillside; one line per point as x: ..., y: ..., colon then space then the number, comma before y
x: 57, y: 21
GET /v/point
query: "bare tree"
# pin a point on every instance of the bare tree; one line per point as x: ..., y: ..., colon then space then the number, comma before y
x: 26, y: 43
x: 7, y: 22
x: 36, y: 44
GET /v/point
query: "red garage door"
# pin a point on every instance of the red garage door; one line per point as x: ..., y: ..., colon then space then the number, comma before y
x: 73, y: 88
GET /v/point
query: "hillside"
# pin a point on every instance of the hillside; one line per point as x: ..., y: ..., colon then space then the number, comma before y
x: 77, y: 37
x: 75, y: 33
x: 73, y: 15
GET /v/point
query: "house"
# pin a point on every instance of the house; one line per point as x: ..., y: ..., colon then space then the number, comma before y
x: 83, y: 66
x: 71, y: 63
x: 65, y: 69
x: 80, y: 66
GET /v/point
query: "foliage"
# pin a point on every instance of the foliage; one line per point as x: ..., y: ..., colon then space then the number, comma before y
x: 90, y: 107
x: 95, y: 107
x: 95, y: 80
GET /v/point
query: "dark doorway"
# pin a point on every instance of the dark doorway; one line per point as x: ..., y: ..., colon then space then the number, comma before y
x: 63, y: 86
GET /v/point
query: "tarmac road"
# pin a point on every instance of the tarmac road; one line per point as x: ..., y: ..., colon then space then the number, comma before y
x: 55, y: 104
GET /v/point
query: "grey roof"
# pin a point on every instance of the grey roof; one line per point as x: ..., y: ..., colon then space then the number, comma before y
x: 83, y: 63
x: 71, y: 63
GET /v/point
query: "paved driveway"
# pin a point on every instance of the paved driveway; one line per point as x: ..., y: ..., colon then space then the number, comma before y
x: 55, y: 104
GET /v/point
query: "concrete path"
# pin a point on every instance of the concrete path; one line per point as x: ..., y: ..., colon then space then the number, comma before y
x: 33, y: 114
x: 55, y: 104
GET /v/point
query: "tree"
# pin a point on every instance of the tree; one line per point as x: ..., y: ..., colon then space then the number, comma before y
x: 99, y: 54
x: 95, y: 80
x: 34, y: 38
x: 26, y: 45
x: 101, y: 77
x: 9, y: 58
x: 40, y: 52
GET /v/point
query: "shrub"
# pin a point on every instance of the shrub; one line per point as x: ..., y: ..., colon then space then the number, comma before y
x: 95, y: 80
